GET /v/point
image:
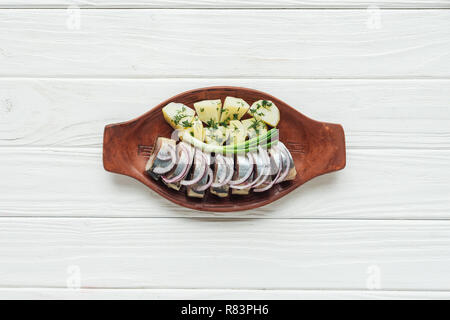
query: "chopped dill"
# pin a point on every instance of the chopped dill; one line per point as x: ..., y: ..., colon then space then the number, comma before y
x: 211, y: 124
x: 255, y: 125
x: 187, y: 124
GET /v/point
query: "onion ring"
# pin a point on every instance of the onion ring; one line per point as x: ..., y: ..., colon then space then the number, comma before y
x: 185, y: 170
x: 203, y: 164
x: 162, y: 170
x: 266, y: 168
x: 166, y: 156
x: 257, y: 181
x: 284, y: 173
x: 230, y: 166
x: 221, y: 178
x: 247, y: 175
x: 270, y: 185
x: 208, y: 184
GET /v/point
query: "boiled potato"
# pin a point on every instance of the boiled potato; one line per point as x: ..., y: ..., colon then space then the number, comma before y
x: 238, y: 132
x: 233, y: 109
x: 254, y: 127
x: 176, y: 113
x: 199, y: 131
x: 184, y: 123
x: 217, y: 136
x: 266, y: 111
x: 208, y: 111
x: 196, y: 129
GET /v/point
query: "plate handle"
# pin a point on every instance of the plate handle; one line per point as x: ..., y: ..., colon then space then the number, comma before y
x: 335, y: 136
x: 115, y: 149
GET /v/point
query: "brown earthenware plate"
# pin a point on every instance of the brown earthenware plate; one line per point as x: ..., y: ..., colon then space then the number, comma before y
x: 317, y: 148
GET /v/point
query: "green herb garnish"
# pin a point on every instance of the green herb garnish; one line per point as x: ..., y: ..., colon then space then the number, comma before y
x: 178, y: 118
x: 187, y: 124
x: 255, y: 125
x: 211, y: 124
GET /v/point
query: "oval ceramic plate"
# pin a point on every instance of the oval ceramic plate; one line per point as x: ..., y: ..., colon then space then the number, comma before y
x: 317, y: 148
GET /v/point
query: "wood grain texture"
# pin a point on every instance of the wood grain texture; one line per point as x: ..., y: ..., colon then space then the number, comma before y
x: 400, y: 114
x: 377, y: 184
x: 224, y: 3
x: 215, y: 294
x: 225, y: 43
x: 213, y: 254
x: 59, y: 210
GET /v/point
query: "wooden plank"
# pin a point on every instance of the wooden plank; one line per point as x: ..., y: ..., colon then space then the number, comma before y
x: 224, y: 4
x: 404, y: 114
x: 219, y: 43
x: 377, y: 184
x: 224, y: 254
x: 214, y: 294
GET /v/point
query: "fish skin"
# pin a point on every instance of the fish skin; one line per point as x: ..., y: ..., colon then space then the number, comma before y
x: 260, y: 167
x: 242, y: 165
x: 275, y: 160
x: 178, y: 170
x: 292, y: 171
x: 154, y: 162
x: 192, y: 190
x: 223, y: 191
x: 274, y: 165
x: 284, y: 163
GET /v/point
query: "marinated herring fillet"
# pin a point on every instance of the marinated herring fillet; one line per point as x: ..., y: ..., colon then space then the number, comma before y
x: 244, y: 171
x: 181, y: 164
x: 185, y: 157
x: 200, y: 170
x: 223, y: 172
x: 161, y: 158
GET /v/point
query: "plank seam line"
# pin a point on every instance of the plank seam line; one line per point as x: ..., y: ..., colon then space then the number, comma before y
x: 190, y: 77
x: 219, y: 219
x: 265, y: 289
x: 312, y: 8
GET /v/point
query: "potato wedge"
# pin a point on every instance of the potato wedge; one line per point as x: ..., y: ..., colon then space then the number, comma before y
x: 176, y: 113
x: 209, y: 111
x: 266, y: 111
x: 254, y: 127
x: 233, y: 109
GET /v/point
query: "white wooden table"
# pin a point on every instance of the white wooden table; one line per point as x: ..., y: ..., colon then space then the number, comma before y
x: 378, y: 229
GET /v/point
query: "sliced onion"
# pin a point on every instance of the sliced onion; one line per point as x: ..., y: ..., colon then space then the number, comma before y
x: 187, y: 166
x: 264, y: 178
x: 266, y: 168
x: 285, y: 171
x: 220, y: 179
x: 248, y: 174
x: 230, y: 167
x: 173, y: 157
x: 190, y: 151
x: 208, y: 184
x: 257, y: 181
x: 275, y: 158
x: 167, y: 156
x: 270, y: 185
x: 201, y: 162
